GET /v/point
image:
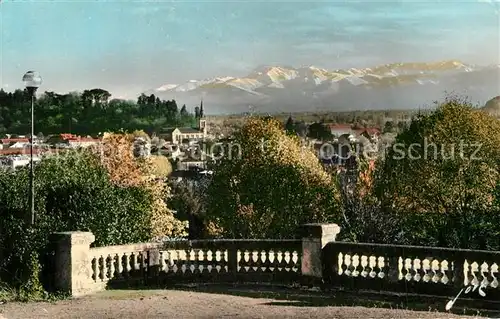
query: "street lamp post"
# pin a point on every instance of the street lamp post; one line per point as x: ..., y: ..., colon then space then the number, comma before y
x: 32, y: 81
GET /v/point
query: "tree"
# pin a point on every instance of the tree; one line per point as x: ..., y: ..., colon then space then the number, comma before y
x: 443, y: 172
x: 88, y: 113
x: 290, y: 126
x: 319, y: 131
x: 116, y: 155
x: 273, y: 188
x: 197, y: 112
x: 388, y: 127
x: 402, y: 125
x: 189, y: 202
x: 183, y: 111
x: 301, y: 129
x: 202, y: 114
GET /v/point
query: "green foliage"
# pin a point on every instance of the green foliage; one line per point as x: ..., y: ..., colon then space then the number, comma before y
x: 189, y: 203
x: 73, y: 192
x: 319, y: 131
x: 388, y: 127
x: 444, y: 198
x: 453, y: 164
x: 270, y: 190
x: 290, y: 126
x: 88, y: 113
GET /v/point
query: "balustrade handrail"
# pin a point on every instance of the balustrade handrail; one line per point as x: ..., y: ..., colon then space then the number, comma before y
x: 125, y: 248
x: 413, y: 247
x: 197, y: 243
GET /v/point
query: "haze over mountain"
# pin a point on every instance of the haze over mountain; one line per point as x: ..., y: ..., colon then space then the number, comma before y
x: 289, y: 89
x: 129, y: 47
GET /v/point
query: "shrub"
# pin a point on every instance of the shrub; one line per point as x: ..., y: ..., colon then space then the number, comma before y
x: 189, y: 201
x: 82, y: 190
x: 363, y: 218
x: 116, y: 155
x: 270, y: 190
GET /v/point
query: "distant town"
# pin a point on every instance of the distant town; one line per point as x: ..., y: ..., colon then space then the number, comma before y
x: 189, y: 148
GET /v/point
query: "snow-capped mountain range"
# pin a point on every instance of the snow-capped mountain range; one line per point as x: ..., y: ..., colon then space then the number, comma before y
x: 287, y: 89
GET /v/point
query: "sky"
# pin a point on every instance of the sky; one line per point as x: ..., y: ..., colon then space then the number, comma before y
x: 127, y: 47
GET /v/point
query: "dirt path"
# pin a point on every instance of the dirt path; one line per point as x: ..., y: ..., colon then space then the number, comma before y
x: 185, y: 304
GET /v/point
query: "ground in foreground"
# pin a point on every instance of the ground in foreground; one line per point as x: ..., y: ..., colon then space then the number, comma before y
x: 124, y: 304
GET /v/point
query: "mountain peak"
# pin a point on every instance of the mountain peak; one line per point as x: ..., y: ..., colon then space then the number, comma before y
x: 274, y: 85
x: 431, y: 66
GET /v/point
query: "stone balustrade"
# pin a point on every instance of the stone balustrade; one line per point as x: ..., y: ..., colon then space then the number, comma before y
x: 81, y: 270
x: 316, y: 259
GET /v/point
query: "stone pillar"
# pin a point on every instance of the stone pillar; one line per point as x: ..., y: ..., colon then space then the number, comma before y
x: 314, y: 238
x: 73, y: 264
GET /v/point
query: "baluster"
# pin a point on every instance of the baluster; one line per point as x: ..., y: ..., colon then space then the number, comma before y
x: 426, y: 266
x: 103, y: 266
x: 134, y: 267
x: 400, y: 268
x: 143, y: 264
x: 288, y: 261
x: 264, y: 261
x: 436, y: 267
x: 340, y: 264
x: 474, y: 269
x: 251, y: 261
x: 257, y: 261
x: 372, y: 265
x: 296, y: 261
x: 493, y: 273
x: 231, y: 264
x: 272, y: 260
x: 111, y: 266
x: 126, y: 265
x: 365, y: 260
x: 245, y: 261
x: 355, y: 264
x: 219, y: 261
x: 190, y: 261
x: 444, y: 272
x: 208, y: 262
x: 417, y: 266
x: 95, y: 268
x: 408, y: 269
x: 347, y: 263
x: 484, y: 271
x: 163, y: 264
x: 181, y: 261
x: 194, y: 265
x: 202, y: 263
x: 119, y: 265
x: 171, y: 262
x: 382, y: 267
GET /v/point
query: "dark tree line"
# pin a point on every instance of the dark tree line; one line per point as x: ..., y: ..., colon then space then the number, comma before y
x: 88, y: 113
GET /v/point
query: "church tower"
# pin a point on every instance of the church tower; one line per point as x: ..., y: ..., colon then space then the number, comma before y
x: 202, y: 123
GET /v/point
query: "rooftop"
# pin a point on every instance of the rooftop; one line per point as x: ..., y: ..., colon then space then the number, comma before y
x: 25, y: 151
x: 14, y: 140
x: 184, y: 130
